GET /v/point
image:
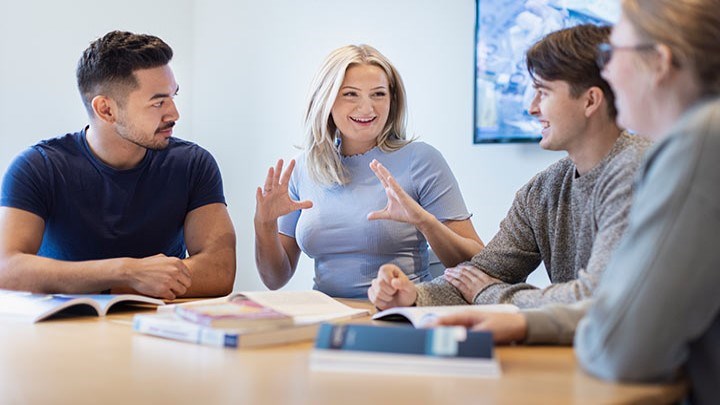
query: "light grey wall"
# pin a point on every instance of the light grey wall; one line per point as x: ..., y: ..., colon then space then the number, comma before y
x: 244, y: 69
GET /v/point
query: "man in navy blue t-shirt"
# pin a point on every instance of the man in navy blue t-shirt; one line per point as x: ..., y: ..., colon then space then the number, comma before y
x: 120, y: 205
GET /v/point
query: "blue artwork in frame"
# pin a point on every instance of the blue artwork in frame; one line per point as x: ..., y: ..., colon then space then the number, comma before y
x: 504, y: 30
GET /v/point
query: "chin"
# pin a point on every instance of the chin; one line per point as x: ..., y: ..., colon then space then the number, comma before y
x: 546, y: 144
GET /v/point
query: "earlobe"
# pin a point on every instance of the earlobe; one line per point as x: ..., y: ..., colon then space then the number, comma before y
x: 594, y: 97
x: 104, y: 108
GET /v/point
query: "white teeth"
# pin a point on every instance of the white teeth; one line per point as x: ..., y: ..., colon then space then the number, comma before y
x: 545, y: 124
x: 362, y: 120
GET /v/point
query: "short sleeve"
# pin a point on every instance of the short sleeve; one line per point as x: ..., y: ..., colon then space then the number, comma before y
x: 438, y: 190
x: 26, y: 185
x: 207, y: 184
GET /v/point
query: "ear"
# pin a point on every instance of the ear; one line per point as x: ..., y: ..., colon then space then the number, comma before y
x: 664, y: 62
x: 105, y: 109
x: 594, y: 98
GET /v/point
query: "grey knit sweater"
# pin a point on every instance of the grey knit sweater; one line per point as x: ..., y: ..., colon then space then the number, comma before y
x: 570, y: 223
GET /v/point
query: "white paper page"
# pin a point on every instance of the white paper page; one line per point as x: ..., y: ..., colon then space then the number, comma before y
x: 304, y: 306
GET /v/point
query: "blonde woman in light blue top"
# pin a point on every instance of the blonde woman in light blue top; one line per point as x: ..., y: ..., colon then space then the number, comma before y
x: 341, y: 205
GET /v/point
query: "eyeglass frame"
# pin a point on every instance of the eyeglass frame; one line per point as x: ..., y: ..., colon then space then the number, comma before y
x: 605, y: 52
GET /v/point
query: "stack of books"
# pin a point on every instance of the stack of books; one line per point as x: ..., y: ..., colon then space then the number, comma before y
x: 246, y: 319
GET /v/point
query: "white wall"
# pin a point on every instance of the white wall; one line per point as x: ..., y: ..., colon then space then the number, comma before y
x: 244, y: 69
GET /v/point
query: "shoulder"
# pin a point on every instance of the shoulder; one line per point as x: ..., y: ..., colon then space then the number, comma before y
x: 692, y: 146
x: 420, y: 150
x: 182, y: 145
x: 54, y: 150
x: 186, y: 151
x: 699, y: 126
x: 551, y: 178
x: 420, y: 156
x: 622, y: 165
x: 630, y: 150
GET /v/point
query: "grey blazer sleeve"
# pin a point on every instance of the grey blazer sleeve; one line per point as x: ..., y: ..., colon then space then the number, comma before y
x: 659, y: 295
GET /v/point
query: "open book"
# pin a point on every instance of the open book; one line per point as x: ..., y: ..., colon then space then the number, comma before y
x: 192, y: 321
x: 420, y: 317
x: 450, y: 351
x: 29, y: 307
x: 302, y: 306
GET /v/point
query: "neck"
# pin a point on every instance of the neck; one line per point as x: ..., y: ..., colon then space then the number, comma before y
x: 112, y: 149
x: 351, y: 148
x: 670, y: 104
x: 594, y: 145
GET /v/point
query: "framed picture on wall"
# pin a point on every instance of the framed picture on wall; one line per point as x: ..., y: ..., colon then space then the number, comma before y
x: 504, y: 30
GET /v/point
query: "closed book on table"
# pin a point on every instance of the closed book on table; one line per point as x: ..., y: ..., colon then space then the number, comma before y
x: 451, y: 351
x: 170, y: 326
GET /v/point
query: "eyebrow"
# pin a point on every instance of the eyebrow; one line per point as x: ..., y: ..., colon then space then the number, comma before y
x: 539, y: 85
x: 357, y: 88
x: 165, y: 95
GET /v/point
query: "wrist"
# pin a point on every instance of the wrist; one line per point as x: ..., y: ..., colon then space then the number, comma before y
x: 262, y: 226
x: 119, y: 273
x: 426, y: 222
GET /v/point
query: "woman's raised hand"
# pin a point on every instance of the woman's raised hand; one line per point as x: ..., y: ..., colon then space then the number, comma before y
x: 400, y: 206
x: 273, y: 200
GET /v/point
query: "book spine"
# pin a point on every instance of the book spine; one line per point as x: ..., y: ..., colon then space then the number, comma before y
x: 441, y: 342
x: 186, y: 332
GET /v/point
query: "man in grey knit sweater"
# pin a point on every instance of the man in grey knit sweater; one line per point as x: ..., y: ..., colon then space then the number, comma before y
x: 569, y: 216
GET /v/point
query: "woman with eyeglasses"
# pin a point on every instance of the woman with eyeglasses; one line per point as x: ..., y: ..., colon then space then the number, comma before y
x: 656, y: 314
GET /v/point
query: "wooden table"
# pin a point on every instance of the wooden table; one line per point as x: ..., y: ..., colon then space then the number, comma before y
x: 93, y: 360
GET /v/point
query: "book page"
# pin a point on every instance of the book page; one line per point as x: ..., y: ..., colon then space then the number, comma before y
x: 105, y: 301
x: 304, y: 306
x: 421, y: 316
x: 29, y: 307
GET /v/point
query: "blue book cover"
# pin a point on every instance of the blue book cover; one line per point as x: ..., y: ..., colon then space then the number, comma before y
x: 455, y: 342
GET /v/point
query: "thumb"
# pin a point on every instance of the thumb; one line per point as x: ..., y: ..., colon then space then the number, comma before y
x: 401, y: 283
x: 378, y: 215
x: 303, y: 205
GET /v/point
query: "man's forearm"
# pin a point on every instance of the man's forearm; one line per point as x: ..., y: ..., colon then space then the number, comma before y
x: 29, y: 272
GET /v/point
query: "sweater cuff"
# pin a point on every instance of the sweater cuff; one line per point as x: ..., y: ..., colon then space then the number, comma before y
x: 423, y: 296
x: 540, y: 327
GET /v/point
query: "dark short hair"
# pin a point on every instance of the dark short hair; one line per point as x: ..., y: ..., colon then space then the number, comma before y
x: 569, y: 55
x: 107, y: 65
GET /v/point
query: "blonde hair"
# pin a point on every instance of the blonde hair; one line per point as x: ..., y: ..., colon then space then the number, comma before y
x: 690, y: 28
x: 323, y: 156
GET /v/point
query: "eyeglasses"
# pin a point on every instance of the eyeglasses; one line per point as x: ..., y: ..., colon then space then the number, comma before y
x: 605, y: 52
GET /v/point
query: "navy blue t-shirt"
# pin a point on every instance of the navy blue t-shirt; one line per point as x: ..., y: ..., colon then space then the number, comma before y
x: 93, y: 211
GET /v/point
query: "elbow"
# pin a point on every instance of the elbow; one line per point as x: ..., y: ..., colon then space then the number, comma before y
x: 632, y: 360
x: 629, y: 368
x: 8, y: 278
x: 609, y: 367
x: 272, y: 284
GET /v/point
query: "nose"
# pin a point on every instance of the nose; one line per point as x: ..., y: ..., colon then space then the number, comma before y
x: 534, y: 108
x: 365, y: 106
x: 172, y: 113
